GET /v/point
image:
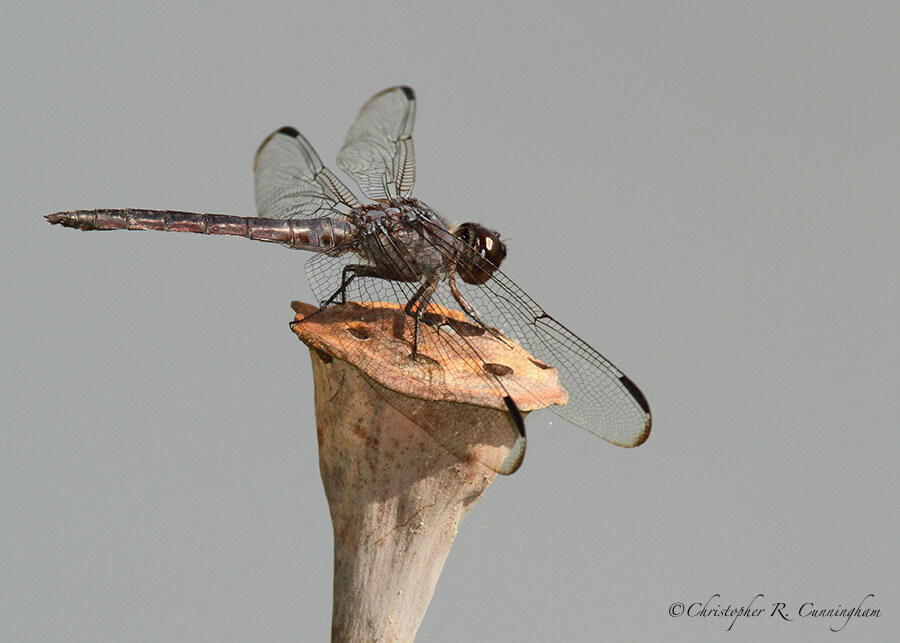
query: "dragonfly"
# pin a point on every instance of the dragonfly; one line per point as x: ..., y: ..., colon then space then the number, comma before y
x: 395, y: 248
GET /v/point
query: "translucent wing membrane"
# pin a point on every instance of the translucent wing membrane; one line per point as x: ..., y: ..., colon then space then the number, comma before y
x: 378, y: 150
x: 602, y: 399
x: 292, y: 182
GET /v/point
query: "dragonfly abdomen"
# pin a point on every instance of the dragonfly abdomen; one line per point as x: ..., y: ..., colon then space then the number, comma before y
x: 317, y: 235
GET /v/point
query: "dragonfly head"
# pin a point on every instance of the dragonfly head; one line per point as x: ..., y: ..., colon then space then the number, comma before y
x: 485, y: 252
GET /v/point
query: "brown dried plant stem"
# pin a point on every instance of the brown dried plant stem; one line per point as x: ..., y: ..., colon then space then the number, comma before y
x: 396, y: 494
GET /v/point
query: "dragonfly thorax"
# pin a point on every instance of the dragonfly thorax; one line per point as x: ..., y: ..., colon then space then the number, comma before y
x: 404, y: 239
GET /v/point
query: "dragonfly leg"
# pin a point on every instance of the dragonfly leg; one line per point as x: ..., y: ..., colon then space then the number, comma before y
x: 469, y: 309
x: 417, y: 305
x: 348, y: 274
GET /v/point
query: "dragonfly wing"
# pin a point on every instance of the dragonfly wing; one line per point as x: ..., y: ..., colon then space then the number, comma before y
x: 602, y: 399
x: 291, y: 181
x: 378, y: 151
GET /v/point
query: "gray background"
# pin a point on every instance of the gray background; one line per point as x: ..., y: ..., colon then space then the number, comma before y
x: 707, y: 193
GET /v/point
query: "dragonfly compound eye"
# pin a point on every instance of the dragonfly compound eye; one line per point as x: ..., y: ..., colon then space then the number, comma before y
x: 485, y: 253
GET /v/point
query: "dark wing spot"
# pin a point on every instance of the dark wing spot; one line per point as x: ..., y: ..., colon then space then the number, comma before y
x: 635, y: 393
x: 408, y: 92
x: 516, y: 414
x: 289, y: 131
